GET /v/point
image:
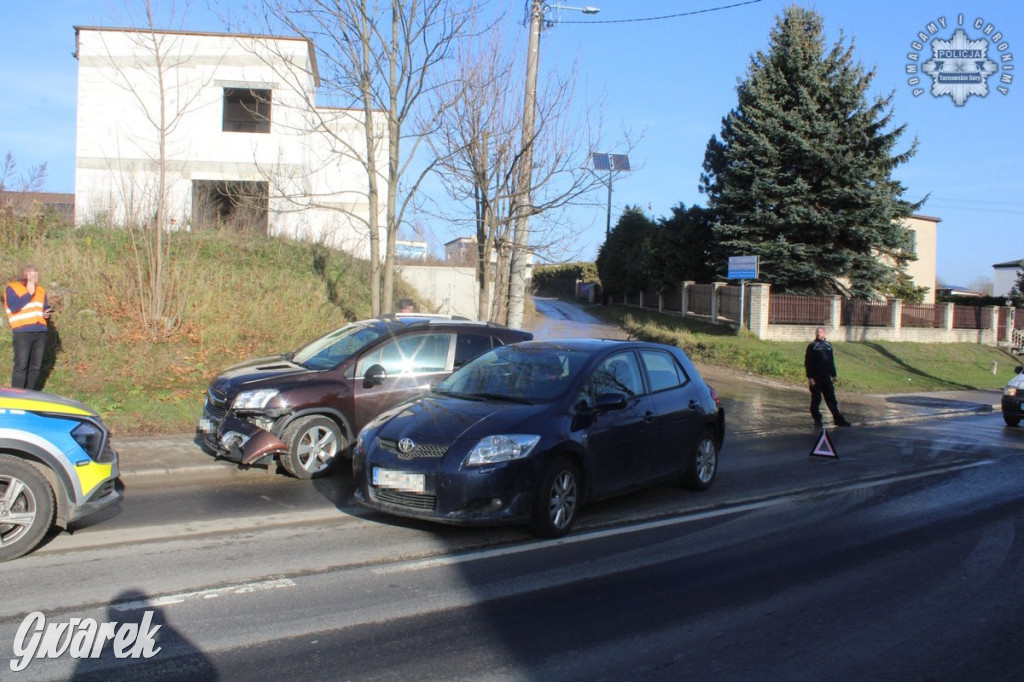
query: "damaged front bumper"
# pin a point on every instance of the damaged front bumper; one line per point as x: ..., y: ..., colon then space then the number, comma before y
x: 240, y: 441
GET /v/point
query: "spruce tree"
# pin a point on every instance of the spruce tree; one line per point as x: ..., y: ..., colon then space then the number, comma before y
x: 623, y: 259
x: 1017, y: 290
x: 683, y: 248
x: 802, y: 172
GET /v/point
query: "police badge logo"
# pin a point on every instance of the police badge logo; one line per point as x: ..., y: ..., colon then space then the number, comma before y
x: 960, y: 66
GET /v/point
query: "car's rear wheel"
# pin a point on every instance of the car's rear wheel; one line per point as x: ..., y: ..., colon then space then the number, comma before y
x: 1010, y: 419
x: 314, y: 444
x: 701, y: 463
x: 556, y: 499
x: 26, y: 507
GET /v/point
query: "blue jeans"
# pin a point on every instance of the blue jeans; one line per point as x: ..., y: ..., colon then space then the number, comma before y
x: 28, y: 358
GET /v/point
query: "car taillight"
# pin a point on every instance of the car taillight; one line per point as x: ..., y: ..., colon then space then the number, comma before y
x: 714, y: 396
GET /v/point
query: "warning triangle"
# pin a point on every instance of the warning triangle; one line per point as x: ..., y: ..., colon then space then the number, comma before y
x: 824, y: 447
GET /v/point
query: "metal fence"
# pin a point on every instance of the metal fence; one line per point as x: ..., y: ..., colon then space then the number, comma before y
x: 787, y: 311
x: 792, y: 309
x: 923, y: 315
x: 673, y: 299
x: 865, y: 314
x: 970, y: 317
x: 699, y: 299
x: 729, y: 303
x: 650, y: 298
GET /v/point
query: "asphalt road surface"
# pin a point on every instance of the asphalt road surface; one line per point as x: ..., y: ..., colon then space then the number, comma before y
x: 900, y: 559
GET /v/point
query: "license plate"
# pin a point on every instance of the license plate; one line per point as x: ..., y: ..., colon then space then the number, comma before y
x: 399, y: 480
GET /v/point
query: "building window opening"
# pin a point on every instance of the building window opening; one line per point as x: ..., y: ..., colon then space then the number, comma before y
x: 230, y: 206
x: 246, y: 111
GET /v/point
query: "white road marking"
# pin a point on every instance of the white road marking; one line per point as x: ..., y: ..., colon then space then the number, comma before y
x: 244, y: 588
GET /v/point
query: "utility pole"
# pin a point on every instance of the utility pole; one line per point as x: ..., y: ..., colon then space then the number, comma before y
x: 523, y: 200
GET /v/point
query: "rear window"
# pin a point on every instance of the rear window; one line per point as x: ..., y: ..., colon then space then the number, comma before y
x: 468, y: 346
x: 663, y: 372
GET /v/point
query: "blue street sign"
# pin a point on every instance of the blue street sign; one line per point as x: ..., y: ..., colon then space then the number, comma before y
x: 743, y: 267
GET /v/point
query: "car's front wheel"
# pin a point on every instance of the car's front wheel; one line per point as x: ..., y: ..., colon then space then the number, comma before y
x: 556, y: 499
x: 701, y: 463
x: 1011, y: 420
x: 26, y: 507
x: 314, y: 444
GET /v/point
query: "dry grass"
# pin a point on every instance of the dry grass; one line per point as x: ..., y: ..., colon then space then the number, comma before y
x: 238, y: 298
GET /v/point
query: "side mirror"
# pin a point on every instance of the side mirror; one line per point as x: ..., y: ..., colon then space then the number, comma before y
x: 610, y: 401
x: 375, y: 375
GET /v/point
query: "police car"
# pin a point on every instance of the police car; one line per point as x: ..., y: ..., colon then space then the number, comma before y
x: 56, y: 466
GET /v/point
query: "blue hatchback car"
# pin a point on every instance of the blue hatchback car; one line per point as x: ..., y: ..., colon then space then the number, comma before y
x: 528, y: 433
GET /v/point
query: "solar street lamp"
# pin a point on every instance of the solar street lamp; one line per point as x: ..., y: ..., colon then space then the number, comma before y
x: 612, y: 163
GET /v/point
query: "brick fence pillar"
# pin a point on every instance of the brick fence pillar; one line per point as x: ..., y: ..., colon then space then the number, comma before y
x: 759, y: 308
x: 990, y: 336
x: 715, y: 304
x: 835, y: 320
x: 684, y: 297
x: 896, y: 318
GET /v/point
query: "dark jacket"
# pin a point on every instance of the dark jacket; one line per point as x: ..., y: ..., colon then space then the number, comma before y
x: 819, y: 360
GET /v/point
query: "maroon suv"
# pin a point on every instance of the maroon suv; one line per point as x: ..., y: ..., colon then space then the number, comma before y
x: 306, y: 407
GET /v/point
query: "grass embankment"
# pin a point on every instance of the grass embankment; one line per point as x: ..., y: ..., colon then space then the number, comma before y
x: 867, y: 367
x: 239, y: 297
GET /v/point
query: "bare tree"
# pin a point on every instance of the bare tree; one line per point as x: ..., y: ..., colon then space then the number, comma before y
x: 481, y: 155
x: 145, y: 61
x: 982, y: 285
x: 12, y: 181
x: 377, y: 64
x: 22, y: 220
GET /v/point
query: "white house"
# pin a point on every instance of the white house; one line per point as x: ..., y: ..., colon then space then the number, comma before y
x: 244, y: 144
x: 1004, y: 276
x: 924, y: 236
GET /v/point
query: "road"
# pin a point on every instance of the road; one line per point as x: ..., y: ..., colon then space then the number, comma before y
x: 900, y: 559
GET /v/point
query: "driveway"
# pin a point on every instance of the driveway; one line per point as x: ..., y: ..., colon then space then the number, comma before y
x: 562, y: 320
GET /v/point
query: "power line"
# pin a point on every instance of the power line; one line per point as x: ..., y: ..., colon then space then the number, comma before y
x: 667, y: 16
x: 982, y: 202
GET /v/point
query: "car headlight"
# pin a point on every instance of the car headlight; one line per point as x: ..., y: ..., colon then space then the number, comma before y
x: 1010, y: 391
x: 501, y: 448
x: 254, y: 400
x: 90, y: 438
x: 361, y: 439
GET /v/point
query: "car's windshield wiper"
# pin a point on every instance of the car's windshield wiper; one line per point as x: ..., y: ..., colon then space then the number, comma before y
x: 455, y: 394
x: 499, y: 396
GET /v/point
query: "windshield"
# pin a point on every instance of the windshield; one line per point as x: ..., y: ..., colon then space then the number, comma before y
x: 518, y: 373
x: 332, y: 349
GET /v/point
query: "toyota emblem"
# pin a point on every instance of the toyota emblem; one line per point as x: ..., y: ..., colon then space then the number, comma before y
x: 406, y: 445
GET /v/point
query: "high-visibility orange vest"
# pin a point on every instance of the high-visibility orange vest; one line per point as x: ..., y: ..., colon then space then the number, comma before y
x: 32, y: 313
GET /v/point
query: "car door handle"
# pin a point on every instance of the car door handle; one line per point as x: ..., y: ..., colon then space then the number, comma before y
x: 648, y: 417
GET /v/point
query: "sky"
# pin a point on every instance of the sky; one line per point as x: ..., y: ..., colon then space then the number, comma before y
x: 667, y: 80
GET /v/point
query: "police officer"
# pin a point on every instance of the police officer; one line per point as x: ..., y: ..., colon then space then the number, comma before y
x: 820, y: 364
x: 28, y: 310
